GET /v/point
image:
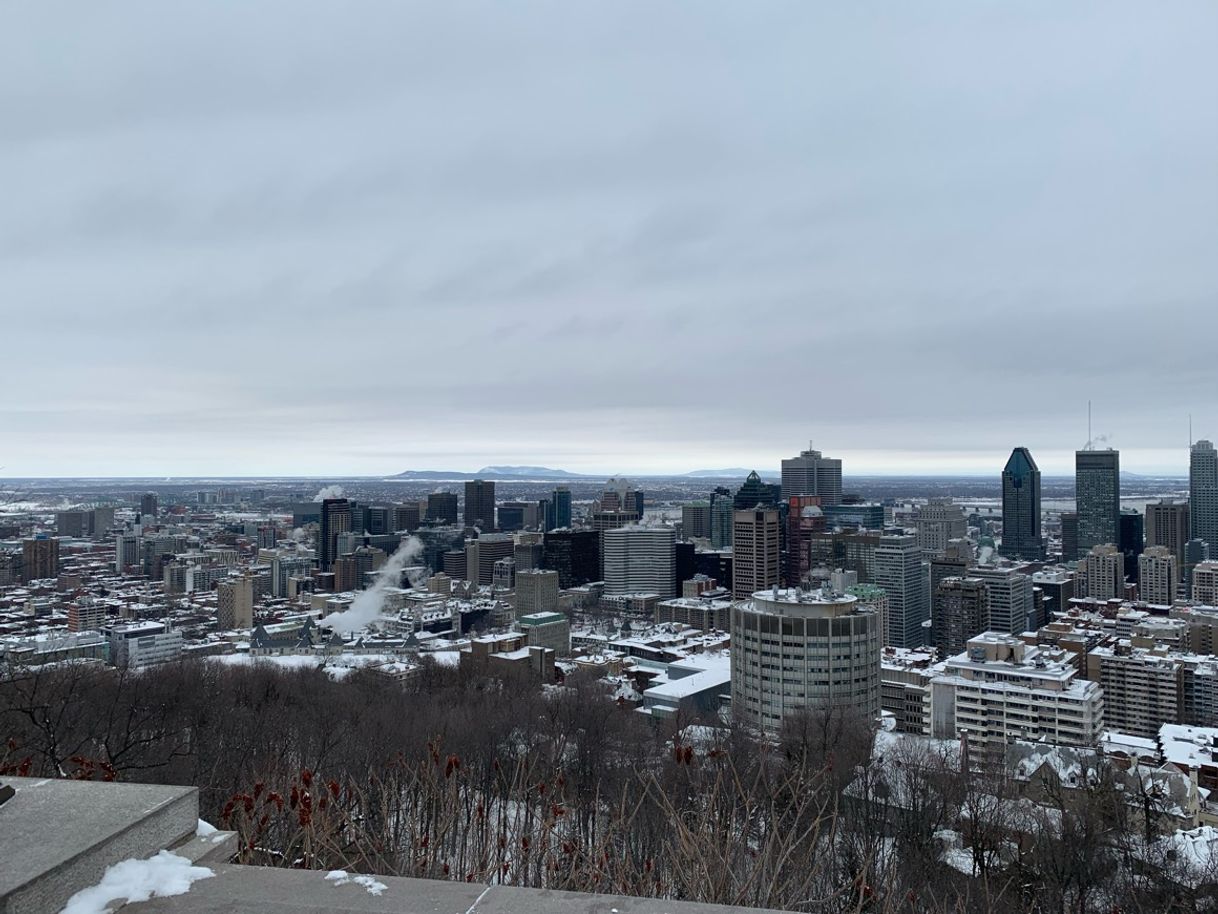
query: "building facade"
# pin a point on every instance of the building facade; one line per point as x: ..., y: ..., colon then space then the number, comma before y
x: 755, y: 551
x: 1097, y: 488
x: 1021, y: 532
x: 811, y: 473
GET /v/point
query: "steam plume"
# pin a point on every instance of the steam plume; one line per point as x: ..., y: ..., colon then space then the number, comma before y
x: 367, y: 606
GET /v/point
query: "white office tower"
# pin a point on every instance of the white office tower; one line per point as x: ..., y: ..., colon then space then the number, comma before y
x: 1158, y: 575
x: 1001, y: 690
x: 898, y: 569
x: 1105, y: 573
x: 812, y: 474
x: 640, y: 560
x: 1203, y: 493
x: 796, y: 651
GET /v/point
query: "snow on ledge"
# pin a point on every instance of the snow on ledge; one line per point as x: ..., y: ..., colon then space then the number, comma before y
x: 138, y: 880
x: 341, y: 877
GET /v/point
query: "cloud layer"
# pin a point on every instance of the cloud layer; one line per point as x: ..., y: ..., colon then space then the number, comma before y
x: 354, y: 238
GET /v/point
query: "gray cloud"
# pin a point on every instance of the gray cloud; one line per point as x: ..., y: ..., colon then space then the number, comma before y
x: 315, y: 238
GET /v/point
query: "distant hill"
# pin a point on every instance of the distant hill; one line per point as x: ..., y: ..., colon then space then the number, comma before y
x: 544, y: 472
x: 727, y: 473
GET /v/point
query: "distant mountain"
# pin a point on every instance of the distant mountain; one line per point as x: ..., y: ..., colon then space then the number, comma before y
x: 543, y: 472
x: 728, y: 473
x: 505, y: 472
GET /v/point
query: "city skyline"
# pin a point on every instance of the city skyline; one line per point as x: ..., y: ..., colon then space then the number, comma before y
x: 413, y: 236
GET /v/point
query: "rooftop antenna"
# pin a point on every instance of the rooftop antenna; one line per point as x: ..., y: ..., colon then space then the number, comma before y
x: 1190, y: 433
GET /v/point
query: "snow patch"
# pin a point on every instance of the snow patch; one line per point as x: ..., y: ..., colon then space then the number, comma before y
x: 370, y: 885
x: 138, y: 880
x: 203, y: 829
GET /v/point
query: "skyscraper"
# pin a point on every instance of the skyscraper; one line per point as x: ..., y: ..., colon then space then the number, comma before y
x: 1203, y: 493
x: 796, y: 650
x: 40, y: 557
x: 1105, y: 573
x: 480, y: 505
x: 898, y: 569
x: 148, y: 505
x: 640, y: 560
x: 1097, y: 486
x: 754, y: 492
x: 1021, y: 536
x: 1159, y: 573
x: 812, y: 474
x: 442, y: 507
x: 695, y: 520
x: 1133, y: 539
x: 1167, y: 524
x: 962, y: 611
x: 755, y: 551
x: 722, y: 508
x: 939, y: 521
x: 558, y: 509
x: 574, y: 554
x: 335, y: 519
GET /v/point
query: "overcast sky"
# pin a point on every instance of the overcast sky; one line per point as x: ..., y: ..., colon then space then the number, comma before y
x: 347, y: 238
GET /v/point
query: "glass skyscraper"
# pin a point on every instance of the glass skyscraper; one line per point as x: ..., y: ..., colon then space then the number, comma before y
x: 1097, y: 487
x: 1021, y: 536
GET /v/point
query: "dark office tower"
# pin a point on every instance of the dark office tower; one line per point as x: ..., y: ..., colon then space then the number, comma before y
x: 754, y: 492
x: 379, y: 519
x: 71, y: 523
x: 1167, y: 524
x: 687, y: 563
x: 406, y: 517
x: 511, y: 516
x: 1097, y: 487
x: 480, y: 505
x: 1132, y: 541
x: 335, y: 519
x: 442, y: 507
x: 558, y: 510
x: 1069, y: 536
x: 148, y: 505
x: 574, y: 554
x: 1021, y: 537
x: 1203, y: 493
x: 721, y: 518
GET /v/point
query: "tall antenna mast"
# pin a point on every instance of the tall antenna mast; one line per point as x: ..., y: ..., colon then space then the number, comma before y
x: 1089, y: 438
x: 1190, y: 431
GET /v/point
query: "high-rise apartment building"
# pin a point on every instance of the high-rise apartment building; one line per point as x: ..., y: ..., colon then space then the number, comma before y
x: 148, y: 505
x: 939, y: 521
x: 40, y: 558
x: 1105, y: 566
x: 696, y: 520
x: 1205, y: 583
x: 1158, y: 575
x: 797, y: 651
x: 962, y: 611
x: 898, y: 569
x: 640, y: 560
x: 442, y: 507
x: 1142, y: 688
x: 127, y: 552
x: 1167, y: 524
x: 335, y: 519
x: 812, y: 474
x: 1203, y: 493
x: 1021, y: 534
x: 1001, y: 690
x: 235, y: 603
x: 755, y: 551
x: 482, y: 553
x: 480, y: 505
x: 1097, y: 486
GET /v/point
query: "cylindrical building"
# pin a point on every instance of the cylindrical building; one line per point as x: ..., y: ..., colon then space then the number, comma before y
x: 796, y: 650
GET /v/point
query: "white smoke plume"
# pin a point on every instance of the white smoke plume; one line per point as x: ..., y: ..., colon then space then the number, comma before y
x: 367, y: 605
x: 329, y: 492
